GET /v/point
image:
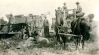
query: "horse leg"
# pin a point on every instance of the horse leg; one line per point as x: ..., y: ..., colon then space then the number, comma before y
x: 83, y: 44
x: 74, y: 41
x: 64, y: 45
x: 64, y: 41
x: 57, y: 39
x: 79, y: 41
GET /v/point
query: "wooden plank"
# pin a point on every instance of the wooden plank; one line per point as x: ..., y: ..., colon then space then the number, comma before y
x: 9, y: 33
x: 67, y: 34
x: 13, y: 32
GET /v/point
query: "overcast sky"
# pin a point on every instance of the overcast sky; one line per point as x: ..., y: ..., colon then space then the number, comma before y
x: 38, y: 7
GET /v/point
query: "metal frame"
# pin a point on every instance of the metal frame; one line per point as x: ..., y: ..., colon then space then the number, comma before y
x: 74, y: 13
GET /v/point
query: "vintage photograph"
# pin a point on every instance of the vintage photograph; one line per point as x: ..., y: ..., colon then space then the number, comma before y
x: 49, y: 27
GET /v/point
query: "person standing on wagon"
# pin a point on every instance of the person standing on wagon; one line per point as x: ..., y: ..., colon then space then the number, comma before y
x: 65, y: 13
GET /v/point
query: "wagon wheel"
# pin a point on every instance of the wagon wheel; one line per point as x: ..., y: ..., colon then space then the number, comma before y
x: 25, y: 36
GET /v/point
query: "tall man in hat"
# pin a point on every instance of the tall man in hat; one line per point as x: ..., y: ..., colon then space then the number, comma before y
x: 59, y: 16
x: 65, y: 13
x: 64, y: 8
x: 46, y: 27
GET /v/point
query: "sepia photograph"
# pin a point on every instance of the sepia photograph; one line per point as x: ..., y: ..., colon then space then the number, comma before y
x: 49, y: 27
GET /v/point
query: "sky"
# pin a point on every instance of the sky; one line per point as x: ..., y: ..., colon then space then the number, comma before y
x: 38, y: 7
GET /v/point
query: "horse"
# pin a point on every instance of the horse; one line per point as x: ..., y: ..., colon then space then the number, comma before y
x: 60, y: 39
x: 80, y: 27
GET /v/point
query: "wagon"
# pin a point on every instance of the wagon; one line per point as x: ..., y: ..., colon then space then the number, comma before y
x: 67, y: 22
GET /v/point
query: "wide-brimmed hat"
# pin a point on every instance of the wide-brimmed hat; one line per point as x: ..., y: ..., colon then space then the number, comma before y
x: 77, y: 3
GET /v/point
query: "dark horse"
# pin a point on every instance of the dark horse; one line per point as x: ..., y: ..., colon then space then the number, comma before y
x: 80, y: 27
x: 58, y: 36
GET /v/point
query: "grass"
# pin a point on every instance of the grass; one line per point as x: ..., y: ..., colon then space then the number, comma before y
x: 8, y: 46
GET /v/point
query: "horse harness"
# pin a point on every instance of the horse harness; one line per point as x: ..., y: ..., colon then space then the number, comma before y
x: 78, y: 23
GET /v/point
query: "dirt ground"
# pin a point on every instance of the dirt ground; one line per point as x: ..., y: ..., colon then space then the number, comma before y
x: 15, y: 46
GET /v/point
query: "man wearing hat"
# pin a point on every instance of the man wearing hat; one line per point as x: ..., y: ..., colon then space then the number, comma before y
x: 64, y: 7
x: 46, y: 27
x: 79, y: 8
x: 65, y: 12
x: 79, y: 12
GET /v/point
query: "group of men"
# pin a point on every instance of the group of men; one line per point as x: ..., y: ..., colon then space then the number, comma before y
x: 62, y: 13
x: 79, y: 13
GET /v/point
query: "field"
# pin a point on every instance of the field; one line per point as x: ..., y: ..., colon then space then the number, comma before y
x: 17, y: 46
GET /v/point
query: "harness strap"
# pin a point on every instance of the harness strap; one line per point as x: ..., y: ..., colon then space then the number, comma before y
x: 76, y: 24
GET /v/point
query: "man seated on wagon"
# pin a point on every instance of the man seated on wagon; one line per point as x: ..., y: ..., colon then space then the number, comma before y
x: 79, y: 12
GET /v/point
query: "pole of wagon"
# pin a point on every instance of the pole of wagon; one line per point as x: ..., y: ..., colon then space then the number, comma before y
x: 9, y: 22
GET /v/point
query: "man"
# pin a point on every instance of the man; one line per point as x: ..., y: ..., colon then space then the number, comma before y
x: 64, y: 8
x: 93, y: 28
x: 89, y: 18
x: 79, y: 8
x: 46, y: 27
x: 59, y: 16
x: 58, y: 12
x: 65, y: 13
x: 79, y: 12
